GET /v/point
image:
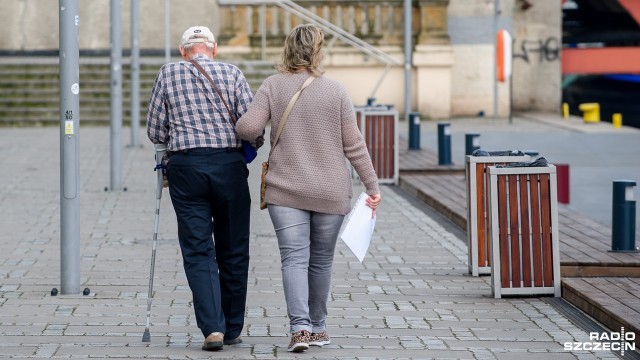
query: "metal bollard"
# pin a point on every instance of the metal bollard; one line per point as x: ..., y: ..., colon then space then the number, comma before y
x: 565, y: 111
x: 616, y: 120
x: 591, y: 112
x: 623, y: 230
x: 414, y: 131
x: 562, y: 174
x: 444, y: 143
x: 471, y: 143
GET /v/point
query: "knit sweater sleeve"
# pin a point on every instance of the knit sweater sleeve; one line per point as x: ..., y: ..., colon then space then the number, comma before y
x: 355, y: 148
x: 252, y: 123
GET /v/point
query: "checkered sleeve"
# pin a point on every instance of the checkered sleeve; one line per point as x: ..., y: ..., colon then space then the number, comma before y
x: 243, y: 95
x: 158, y: 114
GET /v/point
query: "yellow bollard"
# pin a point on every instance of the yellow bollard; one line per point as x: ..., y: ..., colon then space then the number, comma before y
x: 616, y: 120
x: 565, y: 110
x: 591, y: 112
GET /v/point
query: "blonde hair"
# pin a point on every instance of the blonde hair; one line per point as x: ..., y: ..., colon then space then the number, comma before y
x: 303, y: 50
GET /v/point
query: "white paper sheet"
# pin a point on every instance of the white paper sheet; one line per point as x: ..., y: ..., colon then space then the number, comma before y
x: 359, y: 227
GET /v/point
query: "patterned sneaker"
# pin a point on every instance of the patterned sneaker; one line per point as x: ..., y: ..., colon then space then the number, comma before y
x: 299, y: 341
x: 319, y: 339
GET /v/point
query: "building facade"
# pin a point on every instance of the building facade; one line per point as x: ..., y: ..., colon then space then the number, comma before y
x: 452, y: 62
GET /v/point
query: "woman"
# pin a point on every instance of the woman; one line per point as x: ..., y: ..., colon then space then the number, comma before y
x: 309, y: 188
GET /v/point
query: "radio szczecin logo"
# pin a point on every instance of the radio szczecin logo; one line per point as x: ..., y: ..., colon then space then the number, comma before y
x: 613, y: 341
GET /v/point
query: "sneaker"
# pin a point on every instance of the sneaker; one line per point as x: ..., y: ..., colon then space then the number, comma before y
x: 213, y: 342
x: 319, y: 339
x: 299, y: 341
x: 235, y: 341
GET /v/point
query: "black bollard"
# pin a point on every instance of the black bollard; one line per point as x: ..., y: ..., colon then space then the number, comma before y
x: 444, y: 144
x: 414, y: 131
x: 623, y: 230
x: 471, y: 143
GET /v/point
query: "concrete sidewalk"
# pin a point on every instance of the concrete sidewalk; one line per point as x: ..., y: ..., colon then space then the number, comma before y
x: 411, y: 298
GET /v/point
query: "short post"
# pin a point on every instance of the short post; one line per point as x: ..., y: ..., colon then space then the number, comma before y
x: 414, y: 131
x: 623, y: 230
x: 444, y: 143
x: 591, y: 112
x: 616, y: 120
x: 471, y: 143
x: 562, y: 173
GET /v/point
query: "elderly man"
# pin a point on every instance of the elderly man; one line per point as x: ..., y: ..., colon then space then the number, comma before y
x: 207, y: 178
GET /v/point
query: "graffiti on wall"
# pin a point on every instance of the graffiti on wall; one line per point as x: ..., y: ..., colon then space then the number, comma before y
x: 537, y: 51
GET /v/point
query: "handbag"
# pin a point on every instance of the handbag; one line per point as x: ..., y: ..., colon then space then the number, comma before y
x: 248, y: 151
x: 285, y: 115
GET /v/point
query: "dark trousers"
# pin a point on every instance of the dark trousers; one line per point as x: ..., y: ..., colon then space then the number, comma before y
x: 210, y: 195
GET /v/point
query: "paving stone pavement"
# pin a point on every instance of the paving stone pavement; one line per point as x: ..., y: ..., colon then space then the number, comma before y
x: 411, y: 298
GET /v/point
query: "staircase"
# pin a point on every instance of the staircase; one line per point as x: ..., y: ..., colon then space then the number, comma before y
x: 29, y: 89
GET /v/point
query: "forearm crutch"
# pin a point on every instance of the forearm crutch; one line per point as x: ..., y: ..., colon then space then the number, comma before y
x: 161, y: 149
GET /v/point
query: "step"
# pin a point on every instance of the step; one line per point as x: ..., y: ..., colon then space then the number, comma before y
x: 30, y: 87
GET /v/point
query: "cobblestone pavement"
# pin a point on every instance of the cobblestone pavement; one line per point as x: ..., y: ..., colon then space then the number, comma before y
x: 410, y: 299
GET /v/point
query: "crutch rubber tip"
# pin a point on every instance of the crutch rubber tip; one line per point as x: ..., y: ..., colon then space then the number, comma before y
x: 86, y: 291
x: 146, y: 337
x: 54, y: 292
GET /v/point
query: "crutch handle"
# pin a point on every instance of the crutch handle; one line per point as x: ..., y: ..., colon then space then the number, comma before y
x: 161, y: 149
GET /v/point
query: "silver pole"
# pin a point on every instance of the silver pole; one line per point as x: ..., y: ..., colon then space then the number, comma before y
x: 116, y: 97
x: 496, y: 14
x: 511, y: 83
x: 407, y: 58
x: 263, y: 31
x: 69, y: 148
x: 135, y: 75
x: 167, y: 31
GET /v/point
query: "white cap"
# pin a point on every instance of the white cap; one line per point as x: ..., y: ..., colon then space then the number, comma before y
x: 197, y: 34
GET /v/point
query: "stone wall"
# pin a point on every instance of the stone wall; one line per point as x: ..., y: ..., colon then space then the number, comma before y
x: 537, y: 70
x: 536, y: 67
x: 453, y: 61
x: 29, y: 25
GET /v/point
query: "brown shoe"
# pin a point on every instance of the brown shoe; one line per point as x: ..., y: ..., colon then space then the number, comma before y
x: 213, y: 342
x: 235, y: 341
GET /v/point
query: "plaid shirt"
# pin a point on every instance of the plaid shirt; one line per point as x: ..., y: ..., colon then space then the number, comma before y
x: 186, y: 112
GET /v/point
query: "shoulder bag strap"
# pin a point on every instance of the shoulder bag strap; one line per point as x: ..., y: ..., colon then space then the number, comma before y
x: 285, y: 115
x: 206, y: 74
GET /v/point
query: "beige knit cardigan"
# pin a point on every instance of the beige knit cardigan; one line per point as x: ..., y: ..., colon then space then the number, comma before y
x: 307, y: 168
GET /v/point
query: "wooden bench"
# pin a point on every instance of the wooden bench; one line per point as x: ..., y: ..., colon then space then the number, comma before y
x: 584, y: 243
x: 613, y: 301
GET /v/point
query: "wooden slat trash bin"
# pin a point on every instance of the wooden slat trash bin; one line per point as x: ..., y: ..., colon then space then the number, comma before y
x: 379, y: 127
x: 478, y: 237
x: 523, y: 220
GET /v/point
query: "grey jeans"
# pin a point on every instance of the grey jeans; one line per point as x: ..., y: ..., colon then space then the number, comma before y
x: 307, y: 242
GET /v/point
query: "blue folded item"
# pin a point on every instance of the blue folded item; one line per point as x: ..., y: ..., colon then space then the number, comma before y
x: 248, y: 151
